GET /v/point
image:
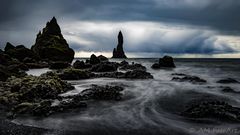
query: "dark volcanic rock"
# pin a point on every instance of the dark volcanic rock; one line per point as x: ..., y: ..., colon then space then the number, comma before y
x: 5, y: 59
x: 37, y: 65
x: 29, y: 60
x: 133, y: 67
x: 213, y: 109
x: 59, y: 65
x: 81, y: 65
x: 20, y: 52
x: 4, y: 73
x: 100, y: 93
x: 50, y: 44
x: 105, y: 67
x: 165, y: 62
x: 155, y: 66
x: 134, y: 74
x: 32, y: 95
x: 123, y: 63
x: 110, y: 75
x: 32, y: 89
x: 74, y: 74
x: 12, y: 70
x: 188, y: 78
x: 118, y: 52
x: 94, y: 60
x: 230, y: 90
x: 138, y: 74
x: 102, y: 58
x: 178, y: 74
x: 228, y: 80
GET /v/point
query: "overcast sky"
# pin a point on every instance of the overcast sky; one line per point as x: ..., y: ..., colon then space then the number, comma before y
x: 185, y: 28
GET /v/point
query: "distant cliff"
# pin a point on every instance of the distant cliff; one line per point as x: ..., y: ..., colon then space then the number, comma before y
x: 118, y: 52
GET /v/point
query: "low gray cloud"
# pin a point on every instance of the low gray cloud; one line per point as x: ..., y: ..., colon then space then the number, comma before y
x: 146, y: 37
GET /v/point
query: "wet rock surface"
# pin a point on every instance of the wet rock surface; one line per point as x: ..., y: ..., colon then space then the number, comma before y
x: 102, y: 58
x: 188, y: 78
x: 12, y: 70
x: 81, y: 65
x: 105, y: 67
x: 227, y: 81
x: 165, y: 62
x: 20, y: 52
x: 74, y: 74
x: 94, y: 60
x: 37, y: 65
x: 133, y: 66
x: 30, y: 94
x: 214, y: 110
x: 97, y: 92
x: 59, y: 65
x: 135, y: 74
x: 229, y: 90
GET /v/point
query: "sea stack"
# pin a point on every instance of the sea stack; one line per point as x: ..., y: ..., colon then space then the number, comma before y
x: 50, y: 44
x: 118, y: 52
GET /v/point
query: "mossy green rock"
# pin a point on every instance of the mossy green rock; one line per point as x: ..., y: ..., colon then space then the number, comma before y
x: 50, y: 44
x: 33, y: 89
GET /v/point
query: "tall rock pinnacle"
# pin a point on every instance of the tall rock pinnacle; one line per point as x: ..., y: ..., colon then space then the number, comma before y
x: 118, y: 52
x: 50, y: 44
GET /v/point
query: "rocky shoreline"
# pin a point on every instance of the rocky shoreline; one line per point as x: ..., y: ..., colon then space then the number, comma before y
x: 22, y: 94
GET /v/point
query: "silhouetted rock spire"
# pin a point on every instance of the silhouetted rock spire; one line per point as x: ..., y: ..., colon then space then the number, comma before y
x: 52, y: 28
x: 118, y: 52
x: 50, y: 44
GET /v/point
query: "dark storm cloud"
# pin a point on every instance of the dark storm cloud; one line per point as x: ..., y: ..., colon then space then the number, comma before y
x: 21, y: 19
x: 221, y: 14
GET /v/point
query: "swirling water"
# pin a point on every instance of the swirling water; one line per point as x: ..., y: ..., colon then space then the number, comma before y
x: 150, y: 106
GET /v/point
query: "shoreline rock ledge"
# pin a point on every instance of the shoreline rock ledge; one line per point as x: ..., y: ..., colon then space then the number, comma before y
x: 50, y: 44
x: 118, y: 52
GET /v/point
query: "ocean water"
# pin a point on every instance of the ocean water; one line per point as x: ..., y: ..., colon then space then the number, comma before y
x: 149, y: 107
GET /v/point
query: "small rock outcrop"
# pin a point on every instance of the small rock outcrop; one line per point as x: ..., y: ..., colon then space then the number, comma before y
x: 229, y: 90
x: 227, y: 81
x: 97, y: 92
x: 105, y: 67
x: 94, y: 59
x: 59, y: 65
x: 214, y: 110
x: 102, y: 58
x: 20, y: 52
x: 74, y: 74
x: 133, y: 66
x: 118, y: 52
x: 50, y: 44
x: 165, y: 62
x: 10, y: 67
x: 81, y: 65
x: 188, y: 78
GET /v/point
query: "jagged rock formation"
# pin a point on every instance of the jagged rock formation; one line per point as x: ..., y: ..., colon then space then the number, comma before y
x: 19, y: 52
x: 118, y: 52
x: 50, y: 44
